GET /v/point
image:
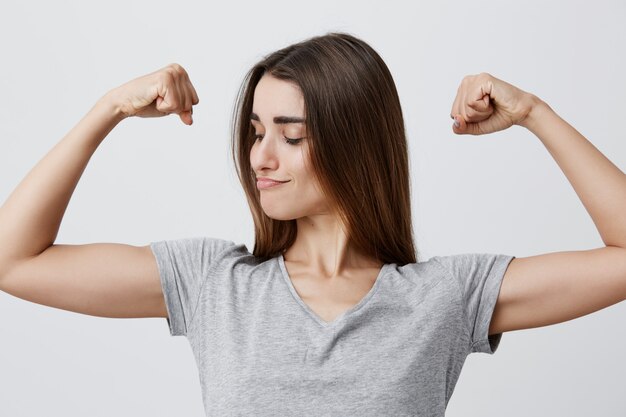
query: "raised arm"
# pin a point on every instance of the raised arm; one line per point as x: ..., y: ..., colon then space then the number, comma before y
x: 103, y: 279
x: 554, y: 287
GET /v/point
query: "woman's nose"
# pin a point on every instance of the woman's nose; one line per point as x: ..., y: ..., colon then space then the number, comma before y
x: 263, y: 153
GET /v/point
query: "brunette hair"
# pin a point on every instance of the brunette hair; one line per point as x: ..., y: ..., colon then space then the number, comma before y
x: 356, y: 139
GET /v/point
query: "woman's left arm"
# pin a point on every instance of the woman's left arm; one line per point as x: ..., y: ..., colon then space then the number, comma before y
x: 554, y: 287
x: 600, y: 185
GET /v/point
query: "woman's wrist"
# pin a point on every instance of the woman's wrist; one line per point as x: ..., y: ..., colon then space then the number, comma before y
x: 112, y: 105
x: 537, y: 110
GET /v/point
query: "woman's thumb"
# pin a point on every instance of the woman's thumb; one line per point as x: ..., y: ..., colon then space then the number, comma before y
x: 162, y: 105
x: 483, y: 104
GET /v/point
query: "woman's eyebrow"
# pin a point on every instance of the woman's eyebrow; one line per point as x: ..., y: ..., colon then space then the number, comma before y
x: 281, y: 119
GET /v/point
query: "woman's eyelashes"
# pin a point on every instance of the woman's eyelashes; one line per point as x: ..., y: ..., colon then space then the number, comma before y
x: 290, y: 141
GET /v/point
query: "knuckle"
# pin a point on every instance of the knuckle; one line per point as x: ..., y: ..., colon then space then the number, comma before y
x: 472, y: 78
x: 167, y: 75
x: 178, y: 69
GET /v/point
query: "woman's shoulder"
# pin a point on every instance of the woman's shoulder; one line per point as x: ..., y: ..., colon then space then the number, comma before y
x: 423, y: 272
x: 200, y: 250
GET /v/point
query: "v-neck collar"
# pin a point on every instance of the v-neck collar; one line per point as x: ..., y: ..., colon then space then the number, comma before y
x: 364, y: 300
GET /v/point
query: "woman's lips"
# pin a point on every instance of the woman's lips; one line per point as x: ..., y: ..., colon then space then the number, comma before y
x: 264, y: 184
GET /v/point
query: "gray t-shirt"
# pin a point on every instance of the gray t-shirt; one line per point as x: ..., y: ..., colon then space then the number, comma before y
x: 260, y: 350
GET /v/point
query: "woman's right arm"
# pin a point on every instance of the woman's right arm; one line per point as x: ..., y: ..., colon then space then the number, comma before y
x: 100, y: 279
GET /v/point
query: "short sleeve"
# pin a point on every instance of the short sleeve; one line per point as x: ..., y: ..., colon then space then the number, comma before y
x: 479, y: 276
x: 184, y: 265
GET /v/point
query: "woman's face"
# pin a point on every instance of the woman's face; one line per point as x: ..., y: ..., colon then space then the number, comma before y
x: 277, y: 117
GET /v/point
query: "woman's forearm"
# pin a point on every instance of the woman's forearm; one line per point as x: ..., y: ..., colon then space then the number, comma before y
x: 31, y: 215
x: 599, y: 184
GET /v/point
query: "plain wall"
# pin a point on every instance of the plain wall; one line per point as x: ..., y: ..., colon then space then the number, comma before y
x: 156, y: 179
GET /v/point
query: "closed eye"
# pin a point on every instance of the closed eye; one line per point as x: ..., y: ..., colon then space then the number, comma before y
x: 290, y: 141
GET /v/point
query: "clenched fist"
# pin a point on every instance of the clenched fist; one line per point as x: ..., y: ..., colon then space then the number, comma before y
x: 165, y: 91
x: 485, y: 104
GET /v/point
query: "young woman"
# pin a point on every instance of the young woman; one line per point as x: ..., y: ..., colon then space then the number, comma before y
x: 330, y: 314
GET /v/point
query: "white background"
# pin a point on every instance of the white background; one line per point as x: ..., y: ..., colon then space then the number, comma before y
x: 156, y: 179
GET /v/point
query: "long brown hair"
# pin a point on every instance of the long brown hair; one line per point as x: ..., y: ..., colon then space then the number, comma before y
x: 357, y: 145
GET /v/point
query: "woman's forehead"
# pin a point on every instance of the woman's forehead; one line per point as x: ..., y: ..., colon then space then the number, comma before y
x: 276, y: 98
